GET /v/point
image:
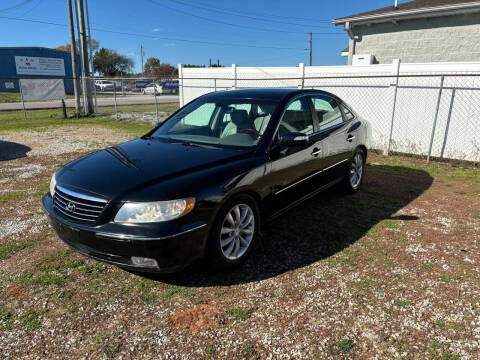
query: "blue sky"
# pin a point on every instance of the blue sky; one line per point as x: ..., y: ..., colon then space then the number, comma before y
x: 281, y: 24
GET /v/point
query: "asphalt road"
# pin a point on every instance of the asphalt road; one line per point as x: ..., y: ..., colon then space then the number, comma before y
x: 102, y: 101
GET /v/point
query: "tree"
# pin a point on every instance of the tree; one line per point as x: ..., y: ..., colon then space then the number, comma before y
x: 67, y: 47
x: 110, y: 63
x: 151, y: 63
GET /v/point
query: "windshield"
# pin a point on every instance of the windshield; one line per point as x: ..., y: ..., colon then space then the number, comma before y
x: 226, y: 122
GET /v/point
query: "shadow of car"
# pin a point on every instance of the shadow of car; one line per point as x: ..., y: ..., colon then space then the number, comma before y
x: 318, y: 229
x: 12, y: 150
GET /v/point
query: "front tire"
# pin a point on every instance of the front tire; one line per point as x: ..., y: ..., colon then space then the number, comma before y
x: 234, y: 233
x: 355, y: 172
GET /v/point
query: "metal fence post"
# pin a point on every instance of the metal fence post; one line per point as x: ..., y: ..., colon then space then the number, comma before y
x: 436, y: 118
x: 215, y: 85
x: 23, y: 101
x: 180, y: 82
x: 155, y: 95
x: 301, y: 67
x: 234, y: 71
x: 447, y: 127
x: 115, y: 100
x: 95, y: 94
x: 396, y: 73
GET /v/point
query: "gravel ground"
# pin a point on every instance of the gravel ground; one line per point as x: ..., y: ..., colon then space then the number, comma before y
x: 388, y: 273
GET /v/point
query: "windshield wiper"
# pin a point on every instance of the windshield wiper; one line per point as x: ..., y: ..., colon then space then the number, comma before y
x: 188, y: 143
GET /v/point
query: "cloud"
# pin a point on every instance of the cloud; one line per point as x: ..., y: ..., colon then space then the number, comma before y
x: 170, y: 44
x: 156, y: 29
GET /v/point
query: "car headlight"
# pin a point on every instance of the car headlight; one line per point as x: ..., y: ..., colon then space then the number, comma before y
x: 53, y: 183
x: 159, y: 211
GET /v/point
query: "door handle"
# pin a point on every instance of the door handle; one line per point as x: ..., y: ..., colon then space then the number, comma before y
x: 316, y: 151
x: 350, y: 138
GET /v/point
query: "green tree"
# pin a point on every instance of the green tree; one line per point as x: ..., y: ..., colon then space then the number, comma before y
x: 151, y: 63
x: 109, y: 63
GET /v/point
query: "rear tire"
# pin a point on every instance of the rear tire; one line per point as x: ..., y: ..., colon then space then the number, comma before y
x: 355, y: 172
x: 235, y: 232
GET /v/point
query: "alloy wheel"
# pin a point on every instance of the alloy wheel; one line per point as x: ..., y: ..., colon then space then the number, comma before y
x: 237, y: 231
x: 356, y: 170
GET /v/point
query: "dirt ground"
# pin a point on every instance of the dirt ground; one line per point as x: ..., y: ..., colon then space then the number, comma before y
x: 388, y: 273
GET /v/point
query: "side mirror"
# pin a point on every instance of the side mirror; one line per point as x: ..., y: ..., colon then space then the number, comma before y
x: 294, y: 139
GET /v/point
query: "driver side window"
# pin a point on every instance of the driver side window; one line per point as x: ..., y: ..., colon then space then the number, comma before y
x: 297, y: 118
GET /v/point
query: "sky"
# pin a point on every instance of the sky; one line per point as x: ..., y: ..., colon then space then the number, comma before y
x: 246, y: 32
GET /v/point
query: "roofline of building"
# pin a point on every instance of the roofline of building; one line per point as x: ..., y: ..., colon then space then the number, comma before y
x: 412, y: 13
x: 29, y: 48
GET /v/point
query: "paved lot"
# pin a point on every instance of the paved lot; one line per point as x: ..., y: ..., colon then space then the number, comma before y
x: 101, y: 100
x: 388, y: 273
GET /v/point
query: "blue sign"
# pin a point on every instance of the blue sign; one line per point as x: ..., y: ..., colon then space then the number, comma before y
x: 170, y: 84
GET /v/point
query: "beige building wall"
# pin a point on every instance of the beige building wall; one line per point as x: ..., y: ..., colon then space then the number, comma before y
x: 446, y: 38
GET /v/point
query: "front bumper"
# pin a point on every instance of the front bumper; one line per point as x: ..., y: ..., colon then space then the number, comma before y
x: 173, y: 246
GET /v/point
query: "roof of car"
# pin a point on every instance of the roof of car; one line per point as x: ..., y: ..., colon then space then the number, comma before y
x: 260, y: 93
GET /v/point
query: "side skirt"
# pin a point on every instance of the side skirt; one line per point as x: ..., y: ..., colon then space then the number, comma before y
x: 303, y: 198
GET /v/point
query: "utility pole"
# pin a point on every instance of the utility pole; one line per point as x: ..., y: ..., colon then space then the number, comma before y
x: 91, y: 57
x: 73, y: 53
x: 210, y: 63
x: 310, y: 48
x: 141, y: 55
x: 84, y: 53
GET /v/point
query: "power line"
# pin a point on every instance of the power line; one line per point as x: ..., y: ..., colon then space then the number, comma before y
x: 13, y: 7
x: 233, y: 13
x: 196, y: 16
x: 268, y: 14
x: 158, y: 37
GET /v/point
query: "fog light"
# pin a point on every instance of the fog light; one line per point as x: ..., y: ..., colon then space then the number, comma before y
x: 143, y: 261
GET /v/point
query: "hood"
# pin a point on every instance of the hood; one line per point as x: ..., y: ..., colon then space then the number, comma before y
x: 116, y: 171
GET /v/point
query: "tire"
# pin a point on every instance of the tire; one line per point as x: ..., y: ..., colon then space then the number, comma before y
x: 225, y: 254
x: 355, y: 173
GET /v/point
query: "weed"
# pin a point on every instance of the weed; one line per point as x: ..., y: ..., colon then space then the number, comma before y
x: 143, y: 284
x: 345, y: 345
x: 172, y: 290
x: 475, y: 215
x: 439, y: 323
x: 220, y: 292
x: 447, y: 355
x: 238, y: 313
x: 31, y: 319
x: 427, y: 266
x: 249, y: 352
x: 148, y: 299
x: 99, y: 338
x: 93, y: 269
x: 111, y: 349
x: 391, y: 224
x: 402, y: 303
x: 6, y: 320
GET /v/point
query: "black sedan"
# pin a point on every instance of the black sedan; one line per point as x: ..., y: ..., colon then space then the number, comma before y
x: 205, y: 180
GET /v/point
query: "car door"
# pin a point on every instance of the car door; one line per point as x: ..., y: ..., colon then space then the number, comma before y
x: 293, y: 170
x: 337, y: 140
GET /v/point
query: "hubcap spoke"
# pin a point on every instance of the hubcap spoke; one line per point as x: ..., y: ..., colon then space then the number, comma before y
x: 237, y: 231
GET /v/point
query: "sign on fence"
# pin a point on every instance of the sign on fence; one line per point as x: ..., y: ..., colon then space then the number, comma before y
x: 29, y: 65
x: 42, y: 89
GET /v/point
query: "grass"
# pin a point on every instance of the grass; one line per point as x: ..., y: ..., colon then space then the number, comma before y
x: 345, y: 345
x: 38, y: 120
x: 475, y: 215
x: 249, y: 352
x: 180, y: 290
x: 111, y: 349
x: 238, y: 313
x: 31, y: 320
x: 10, y: 248
x: 13, y: 97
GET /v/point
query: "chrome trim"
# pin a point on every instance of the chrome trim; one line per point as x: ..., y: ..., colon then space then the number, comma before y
x: 70, y: 215
x: 64, y: 202
x: 310, y: 176
x: 134, y: 237
x: 81, y: 196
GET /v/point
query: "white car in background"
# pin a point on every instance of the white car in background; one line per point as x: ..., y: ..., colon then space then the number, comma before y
x: 103, y: 85
x: 152, y: 88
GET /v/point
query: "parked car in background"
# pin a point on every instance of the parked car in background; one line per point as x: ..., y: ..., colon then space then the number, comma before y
x: 103, y: 85
x: 152, y: 88
x: 139, y: 85
x: 205, y: 180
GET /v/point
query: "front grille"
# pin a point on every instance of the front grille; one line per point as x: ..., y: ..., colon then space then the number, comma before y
x: 77, y: 208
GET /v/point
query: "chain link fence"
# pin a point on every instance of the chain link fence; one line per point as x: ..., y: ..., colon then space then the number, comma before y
x: 429, y: 115
x: 121, y: 98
